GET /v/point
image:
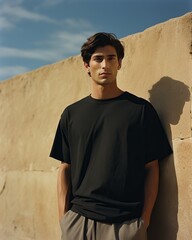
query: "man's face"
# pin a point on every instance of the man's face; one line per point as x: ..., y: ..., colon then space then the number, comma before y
x: 103, y: 65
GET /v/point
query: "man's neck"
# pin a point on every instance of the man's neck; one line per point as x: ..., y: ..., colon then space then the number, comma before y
x: 105, y: 91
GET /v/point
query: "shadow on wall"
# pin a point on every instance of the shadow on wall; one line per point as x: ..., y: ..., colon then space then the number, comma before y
x: 168, y: 96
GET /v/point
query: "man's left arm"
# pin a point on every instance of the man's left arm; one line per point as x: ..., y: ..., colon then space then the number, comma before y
x: 151, y: 190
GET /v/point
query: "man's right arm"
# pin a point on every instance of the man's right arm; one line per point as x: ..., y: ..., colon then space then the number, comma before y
x: 63, y: 188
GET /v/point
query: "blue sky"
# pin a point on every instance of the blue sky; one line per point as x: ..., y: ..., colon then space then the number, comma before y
x: 34, y: 33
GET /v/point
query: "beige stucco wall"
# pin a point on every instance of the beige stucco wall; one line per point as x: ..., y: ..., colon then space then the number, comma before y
x: 158, y: 67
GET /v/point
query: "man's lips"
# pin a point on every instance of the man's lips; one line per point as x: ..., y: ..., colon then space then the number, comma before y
x: 104, y: 73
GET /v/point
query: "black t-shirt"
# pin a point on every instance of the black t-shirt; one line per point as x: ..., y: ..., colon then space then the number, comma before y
x: 108, y: 142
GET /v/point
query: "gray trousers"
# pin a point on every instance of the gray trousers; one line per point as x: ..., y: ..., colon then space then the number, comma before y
x: 77, y: 227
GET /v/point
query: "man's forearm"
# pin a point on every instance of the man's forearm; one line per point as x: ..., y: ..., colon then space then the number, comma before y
x: 63, y: 188
x: 151, y: 190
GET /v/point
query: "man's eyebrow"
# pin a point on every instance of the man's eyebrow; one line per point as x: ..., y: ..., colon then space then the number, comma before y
x: 101, y: 55
x: 112, y: 55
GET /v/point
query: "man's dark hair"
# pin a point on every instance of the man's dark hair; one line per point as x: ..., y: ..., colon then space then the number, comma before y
x: 101, y: 39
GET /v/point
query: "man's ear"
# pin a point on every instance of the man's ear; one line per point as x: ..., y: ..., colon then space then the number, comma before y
x: 86, y: 65
x: 120, y: 62
x: 88, y: 68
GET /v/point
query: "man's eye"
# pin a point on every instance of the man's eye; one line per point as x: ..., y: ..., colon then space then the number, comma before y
x: 111, y: 58
x: 98, y: 59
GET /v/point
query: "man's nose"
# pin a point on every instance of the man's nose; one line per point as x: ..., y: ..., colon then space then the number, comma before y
x: 105, y: 63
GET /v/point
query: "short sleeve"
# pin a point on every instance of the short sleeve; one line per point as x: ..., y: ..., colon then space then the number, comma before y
x: 156, y: 142
x: 60, y: 148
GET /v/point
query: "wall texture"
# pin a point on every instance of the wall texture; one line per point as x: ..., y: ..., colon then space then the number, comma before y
x: 158, y: 67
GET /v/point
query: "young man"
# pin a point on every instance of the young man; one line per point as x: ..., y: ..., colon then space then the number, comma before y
x: 109, y: 144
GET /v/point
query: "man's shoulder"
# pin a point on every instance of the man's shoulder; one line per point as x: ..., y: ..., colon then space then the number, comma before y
x: 136, y: 99
x: 78, y: 102
x: 75, y: 105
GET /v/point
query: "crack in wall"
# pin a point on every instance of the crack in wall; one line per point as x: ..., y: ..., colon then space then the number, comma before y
x: 3, y: 187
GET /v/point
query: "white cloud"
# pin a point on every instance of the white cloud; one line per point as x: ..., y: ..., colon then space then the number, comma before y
x: 50, y: 3
x: 15, y: 2
x: 18, y: 13
x: 9, y: 71
x: 57, y: 45
x: 5, y: 24
x: 11, y: 14
x: 60, y: 45
x: 36, y: 54
x: 68, y: 42
x: 76, y: 22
